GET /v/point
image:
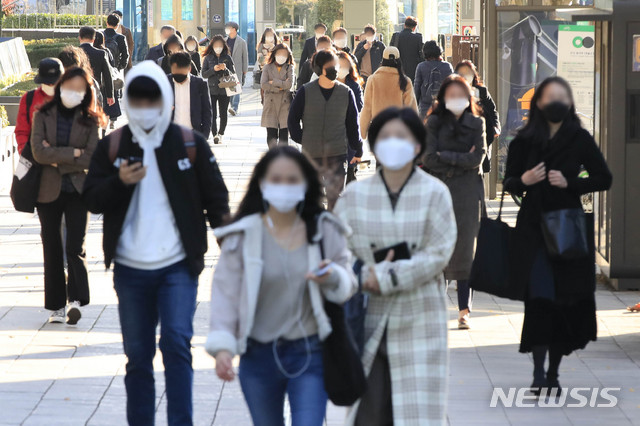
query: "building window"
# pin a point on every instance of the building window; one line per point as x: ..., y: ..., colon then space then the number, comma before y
x: 166, y: 10
x: 187, y: 10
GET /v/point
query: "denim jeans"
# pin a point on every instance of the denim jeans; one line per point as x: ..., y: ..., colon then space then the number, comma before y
x: 235, y: 102
x: 264, y: 386
x: 167, y: 295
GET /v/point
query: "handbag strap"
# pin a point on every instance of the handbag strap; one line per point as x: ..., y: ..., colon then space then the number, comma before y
x: 501, y: 204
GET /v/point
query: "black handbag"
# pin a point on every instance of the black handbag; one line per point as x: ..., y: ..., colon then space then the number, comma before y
x: 565, y: 233
x: 355, y: 310
x: 26, y: 182
x: 344, y: 377
x: 490, y: 268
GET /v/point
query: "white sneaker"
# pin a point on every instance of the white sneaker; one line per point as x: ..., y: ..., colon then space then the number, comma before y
x: 57, y: 316
x: 73, y: 313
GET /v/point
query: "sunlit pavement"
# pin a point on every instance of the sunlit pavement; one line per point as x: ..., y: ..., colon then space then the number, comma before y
x: 54, y: 374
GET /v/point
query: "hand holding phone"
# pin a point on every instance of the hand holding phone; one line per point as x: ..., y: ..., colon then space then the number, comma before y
x: 320, y: 274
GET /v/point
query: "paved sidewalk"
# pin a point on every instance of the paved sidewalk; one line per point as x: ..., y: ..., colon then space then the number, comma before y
x: 53, y: 374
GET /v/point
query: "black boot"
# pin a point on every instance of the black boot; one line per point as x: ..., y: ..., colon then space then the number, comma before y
x: 555, y: 356
x: 539, y: 379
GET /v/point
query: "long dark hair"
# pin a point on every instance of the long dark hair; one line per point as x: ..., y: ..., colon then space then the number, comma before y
x: 353, y: 70
x: 397, y: 64
x: 312, y: 205
x: 209, y: 49
x: 537, y: 127
x: 91, y: 113
x: 439, y: 108
x: 98, y: 42
x: 282, y: 46
x: 477, y: 81
x: 276, y: 39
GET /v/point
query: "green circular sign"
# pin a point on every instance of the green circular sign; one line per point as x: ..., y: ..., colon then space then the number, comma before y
x: 577, y: 42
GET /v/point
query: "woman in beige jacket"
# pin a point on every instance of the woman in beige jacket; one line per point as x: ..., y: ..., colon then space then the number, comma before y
x: 63, y: 138
x: 269, y: 287
x: 387, y: 87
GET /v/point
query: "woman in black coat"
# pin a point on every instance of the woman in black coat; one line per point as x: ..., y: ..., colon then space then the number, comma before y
x: 544, y: 161
x: 172, y: 45
x: 216, y: 65
x: 468, y: 70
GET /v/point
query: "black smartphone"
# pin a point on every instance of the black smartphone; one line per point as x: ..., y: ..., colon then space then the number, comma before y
x: 400, y: 252
x: 133, y: 160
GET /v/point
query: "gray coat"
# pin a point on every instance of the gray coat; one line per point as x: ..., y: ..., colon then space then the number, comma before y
x: 277, y: 95
x: 240, y: 56
x: 449, y: 158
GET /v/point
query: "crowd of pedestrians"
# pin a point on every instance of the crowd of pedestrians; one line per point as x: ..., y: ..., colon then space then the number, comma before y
x: 302, y: 242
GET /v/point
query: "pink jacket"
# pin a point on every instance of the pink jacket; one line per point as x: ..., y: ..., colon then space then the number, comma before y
x: 237, y: 278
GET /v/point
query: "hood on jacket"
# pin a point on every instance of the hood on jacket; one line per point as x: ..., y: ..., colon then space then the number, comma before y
x: 173, y: 39
x: 153, y: 138
x: 186, y: 42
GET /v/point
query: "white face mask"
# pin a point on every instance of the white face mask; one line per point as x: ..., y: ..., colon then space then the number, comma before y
x: 48, y: 90
x: 283, y: 197
x: 280, y: 59
x: 370, y: 39
x: 147, y: 118
x: 268, y: 39
x: 191, y: 47
x: 318, y: 35
x: 469, y: 78
x: 340, y: 43
x: 218, y: 50
x: 70, y: 98
x: 227, y: 31
x: 395, y: 153
x: 343, y: 72
x: 457, y: 105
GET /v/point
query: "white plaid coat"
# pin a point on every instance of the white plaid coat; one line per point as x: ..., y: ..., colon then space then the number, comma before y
x: 413, y: 309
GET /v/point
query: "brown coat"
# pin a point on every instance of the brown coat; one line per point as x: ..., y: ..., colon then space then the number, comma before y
x: 383, y: 91
x: 276, y: 85
x: 81, y: 137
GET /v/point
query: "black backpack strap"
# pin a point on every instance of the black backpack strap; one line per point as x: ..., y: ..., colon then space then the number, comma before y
x: 114, y: 143
x: 30, y: 96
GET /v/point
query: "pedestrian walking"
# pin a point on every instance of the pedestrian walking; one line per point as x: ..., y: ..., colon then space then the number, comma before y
x: 369, y: 52
x: 348, y: 75
x: 99, y: 60
x: 405, y: 216
x: 155, y: 202
x: 173, y: 45
x: 192, y: 104
x: 409, y: 43
x: 309, y: 47
x: 469, y: 72
x: 192, y: 47
x: 126, y: 32
x: 307, y: 73
x: 72, y: 56
x: 156, y: 52
x: 329, y: 116
x: 112, y: 111
x: 240, y: 54
x: 544, y: 161
x: 49, y: 72
x: 429, y: 76
x: 277, y: 84
x: 278, y: 331
x: 341, y: 43
x: 116, y: 43
x: 216, y: 65
x: 267, y: 43
x: 387, y: 87
x: 63, y: 137
x: 455, y: 150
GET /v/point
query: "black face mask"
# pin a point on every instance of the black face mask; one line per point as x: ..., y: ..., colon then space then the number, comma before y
x: 555, y: 112
x: 179, y: 78
x: 331, y: 73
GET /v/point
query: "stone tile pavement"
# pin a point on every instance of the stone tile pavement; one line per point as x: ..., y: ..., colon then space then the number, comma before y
x: 53, y: 374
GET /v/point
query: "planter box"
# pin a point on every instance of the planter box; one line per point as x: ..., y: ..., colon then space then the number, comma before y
x: 11, y: 104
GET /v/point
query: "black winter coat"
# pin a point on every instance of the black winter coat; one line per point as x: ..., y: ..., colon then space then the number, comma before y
x: 571, y: 148
x: 410, y: 46
x: 492, y: 123
x: 194, y: 192
x: 213, y: 77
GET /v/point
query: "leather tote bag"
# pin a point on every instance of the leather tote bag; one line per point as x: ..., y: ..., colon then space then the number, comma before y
x: 26, y: 182
x: 565, y: 233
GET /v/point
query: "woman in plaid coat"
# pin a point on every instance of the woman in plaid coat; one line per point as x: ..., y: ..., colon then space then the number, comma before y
x: 405, y: 354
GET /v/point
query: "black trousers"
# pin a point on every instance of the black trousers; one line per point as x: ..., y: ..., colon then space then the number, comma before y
x: 376, y: 407
x: 220, y: 102
x: 277, y: 137
x: 56, y: 290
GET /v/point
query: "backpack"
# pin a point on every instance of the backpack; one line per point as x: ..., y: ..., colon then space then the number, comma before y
x: 112, y: 44
x: 431, y: 86
x: 188, y: 137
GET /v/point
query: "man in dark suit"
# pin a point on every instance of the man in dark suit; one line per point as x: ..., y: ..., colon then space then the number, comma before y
x: 192, y: 105
x: 157, y: 52
x: 409, y: 43
x: 99, y: 62
x: 121, y: 55
x: 126, y: 32
x: 310, y: 43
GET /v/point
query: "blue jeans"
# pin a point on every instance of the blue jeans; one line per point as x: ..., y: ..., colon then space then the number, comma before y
x: 264, y: 386
x: 168, y: 295
x: 235, y: 102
